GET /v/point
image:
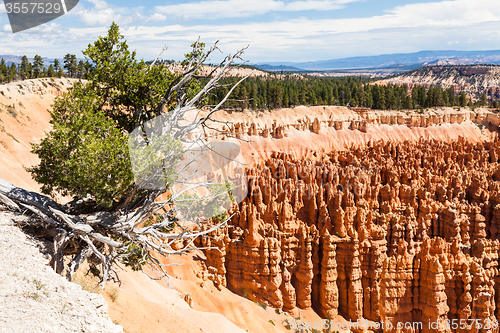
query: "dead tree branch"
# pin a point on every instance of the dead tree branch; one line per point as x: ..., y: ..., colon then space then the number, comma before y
x: 144, y: 228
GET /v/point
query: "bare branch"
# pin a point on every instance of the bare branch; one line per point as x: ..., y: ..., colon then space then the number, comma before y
x: 158, y: 57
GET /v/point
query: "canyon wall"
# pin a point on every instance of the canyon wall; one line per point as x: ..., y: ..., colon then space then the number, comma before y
x: 400, y: 227
x: 309, y: 132
x: 24, y: 118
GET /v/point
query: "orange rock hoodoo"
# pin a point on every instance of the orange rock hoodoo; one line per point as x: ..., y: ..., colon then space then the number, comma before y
x: 400, y: 232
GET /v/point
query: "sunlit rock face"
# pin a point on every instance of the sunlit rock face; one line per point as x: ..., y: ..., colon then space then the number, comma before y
x: 397, y: 231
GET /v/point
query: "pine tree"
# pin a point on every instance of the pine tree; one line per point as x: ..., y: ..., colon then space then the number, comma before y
x: 80, y: 69
x: 483, y: 101
x: 463, y: 99
x: 70, y: 64
x: 4, y: 71
x: 24, y: 68
x: 57, y: 68
x: 13, y: 73
x: 38, y: 66
x: 51, y: 72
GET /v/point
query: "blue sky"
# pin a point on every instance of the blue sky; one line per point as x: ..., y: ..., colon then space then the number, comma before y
x: 294, y: 31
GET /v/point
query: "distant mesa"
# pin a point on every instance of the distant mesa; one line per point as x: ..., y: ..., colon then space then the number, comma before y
x: 277, y: 68
x: 474, y: 80
x: 396, y: 60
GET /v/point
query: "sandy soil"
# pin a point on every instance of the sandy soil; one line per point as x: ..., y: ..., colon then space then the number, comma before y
x: 142, y: 305
x: 24, y: 118
x: 212, y: 310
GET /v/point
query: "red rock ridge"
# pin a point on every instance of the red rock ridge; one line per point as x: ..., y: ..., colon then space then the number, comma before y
x: 309, y: 132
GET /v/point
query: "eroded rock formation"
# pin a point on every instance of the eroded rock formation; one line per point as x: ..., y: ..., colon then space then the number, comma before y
x: 353, y: 119
x: 400, y: 232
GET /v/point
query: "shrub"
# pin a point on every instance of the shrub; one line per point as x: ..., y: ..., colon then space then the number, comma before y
x: 85, y: 154
x: 113, y: 294
x: 38, y: 284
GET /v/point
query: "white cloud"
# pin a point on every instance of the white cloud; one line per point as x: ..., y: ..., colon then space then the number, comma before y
x: 99, y: 4
x: 406, y: 28
x: 461, y: 24
x: 445, y: 13
x: 102, y: 17
x: 156, y: 17
x: 102, y: 14
x: 215, y: 9
x: 48, y: 28
x: 459, y: 13
x: 48, y: 40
